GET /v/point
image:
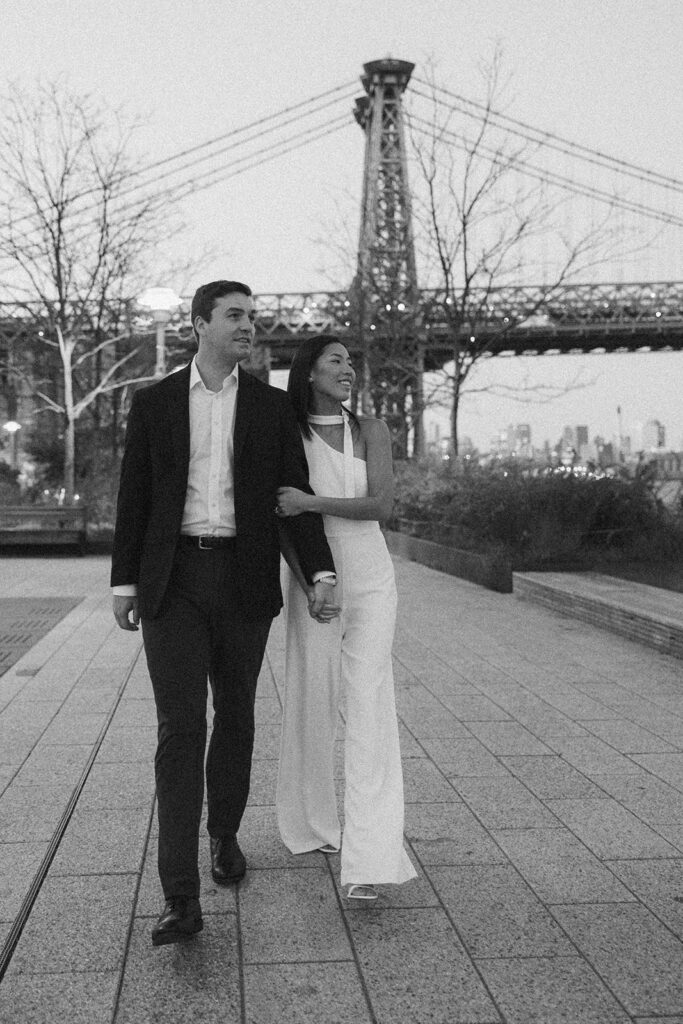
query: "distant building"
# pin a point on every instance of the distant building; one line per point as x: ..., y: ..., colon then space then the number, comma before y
x: 605, y: 452
x: 654, y: 436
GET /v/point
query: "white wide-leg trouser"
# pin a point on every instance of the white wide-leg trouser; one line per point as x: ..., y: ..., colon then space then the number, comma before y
x: 345, y: 665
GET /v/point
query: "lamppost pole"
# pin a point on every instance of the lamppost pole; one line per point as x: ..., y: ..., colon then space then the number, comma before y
x: 13, y: 428
x: 161, y: 302
x: 161, y: 318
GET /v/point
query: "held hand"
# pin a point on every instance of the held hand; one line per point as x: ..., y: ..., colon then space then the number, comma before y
x: 321, y: 605
x: 123, y: 606
x: 291, y: 501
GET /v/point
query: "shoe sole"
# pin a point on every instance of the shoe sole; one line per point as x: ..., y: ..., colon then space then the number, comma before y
x: 228, y: 879
x: 169, y: 938
x: 362, y: 893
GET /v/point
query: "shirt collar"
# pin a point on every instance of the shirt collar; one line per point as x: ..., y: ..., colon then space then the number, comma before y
x: 195, y: 376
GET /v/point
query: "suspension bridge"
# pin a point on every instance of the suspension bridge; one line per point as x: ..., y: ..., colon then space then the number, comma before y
x: 487, y: 304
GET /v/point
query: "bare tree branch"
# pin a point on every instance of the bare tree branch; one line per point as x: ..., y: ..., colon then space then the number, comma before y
x: 70, y: 250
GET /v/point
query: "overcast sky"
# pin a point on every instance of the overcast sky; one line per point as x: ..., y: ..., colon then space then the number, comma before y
x: 605, y: 74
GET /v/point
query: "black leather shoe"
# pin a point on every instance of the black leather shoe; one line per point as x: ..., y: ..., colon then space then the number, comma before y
x: 180, y: 920
x: 227, y: 860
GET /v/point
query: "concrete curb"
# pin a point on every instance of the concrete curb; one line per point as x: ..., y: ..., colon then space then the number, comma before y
x: 596, y: 599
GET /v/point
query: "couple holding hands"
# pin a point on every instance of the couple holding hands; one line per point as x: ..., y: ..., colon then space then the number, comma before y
x: 220, y: 474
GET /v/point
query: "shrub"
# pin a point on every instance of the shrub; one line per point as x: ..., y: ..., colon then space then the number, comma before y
x: 534, y: 514
x: 10, y: 492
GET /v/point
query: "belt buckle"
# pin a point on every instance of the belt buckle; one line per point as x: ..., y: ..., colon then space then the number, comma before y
x: 201, y: 545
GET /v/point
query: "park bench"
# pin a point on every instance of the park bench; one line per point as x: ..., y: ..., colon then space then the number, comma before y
x: 22, y: 525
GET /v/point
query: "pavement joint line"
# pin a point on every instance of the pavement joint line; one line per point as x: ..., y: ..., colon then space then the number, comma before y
x: 19, y: 923
x: 136, y: 894
x: 240, y: 957
x: 354, y: 953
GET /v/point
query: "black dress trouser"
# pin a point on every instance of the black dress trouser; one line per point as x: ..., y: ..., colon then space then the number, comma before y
x: 200, y: 635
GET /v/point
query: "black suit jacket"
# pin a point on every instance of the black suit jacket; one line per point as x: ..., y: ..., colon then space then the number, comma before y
x: 268, y: 454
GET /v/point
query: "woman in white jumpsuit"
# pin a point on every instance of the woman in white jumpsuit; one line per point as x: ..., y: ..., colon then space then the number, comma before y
x: 345, y: 664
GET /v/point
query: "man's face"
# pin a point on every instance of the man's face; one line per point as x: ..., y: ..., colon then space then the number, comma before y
x: 230, y: 331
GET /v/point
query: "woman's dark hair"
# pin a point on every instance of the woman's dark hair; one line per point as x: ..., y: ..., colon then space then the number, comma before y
x: 205, y: 297
x: 299, y: 385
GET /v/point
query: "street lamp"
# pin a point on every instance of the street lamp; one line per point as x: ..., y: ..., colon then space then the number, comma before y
x: 161, y: 302
x: 12, y: 428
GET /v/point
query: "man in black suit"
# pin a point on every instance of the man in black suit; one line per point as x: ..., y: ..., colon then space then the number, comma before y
x: 196, y: 561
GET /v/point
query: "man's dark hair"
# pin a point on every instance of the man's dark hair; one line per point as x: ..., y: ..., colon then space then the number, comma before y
x: 299, y: 385
x: 204, y: 298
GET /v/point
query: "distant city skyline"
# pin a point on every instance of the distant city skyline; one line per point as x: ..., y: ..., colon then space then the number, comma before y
x: 644, y: 386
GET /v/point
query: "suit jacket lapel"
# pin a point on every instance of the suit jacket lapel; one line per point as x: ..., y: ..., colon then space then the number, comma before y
x: 177, y: 415
x: 245, y: 411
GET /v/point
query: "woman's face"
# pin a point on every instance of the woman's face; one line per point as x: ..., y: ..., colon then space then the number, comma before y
x: 333, y: 374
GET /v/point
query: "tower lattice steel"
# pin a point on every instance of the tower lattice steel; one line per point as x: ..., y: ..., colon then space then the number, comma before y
x: 385, y: 292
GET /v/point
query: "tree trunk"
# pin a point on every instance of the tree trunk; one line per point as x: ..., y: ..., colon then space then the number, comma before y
x: 69, y: 461
x: 66, y: 351
x: 455, y: 404
x: 418, y: 407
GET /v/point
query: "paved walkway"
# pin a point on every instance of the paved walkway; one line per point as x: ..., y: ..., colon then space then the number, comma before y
x: 544, y: 786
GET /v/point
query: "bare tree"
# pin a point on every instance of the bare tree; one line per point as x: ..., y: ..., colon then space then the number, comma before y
x: 478, y: 218
x: 75, y: 237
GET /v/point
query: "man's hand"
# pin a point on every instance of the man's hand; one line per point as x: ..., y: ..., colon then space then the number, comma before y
x: 123, y: 606
x: 291, y: 501
x: 321, y: 605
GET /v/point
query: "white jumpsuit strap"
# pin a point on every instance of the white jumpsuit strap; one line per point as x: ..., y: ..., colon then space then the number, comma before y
x: 349, y: 474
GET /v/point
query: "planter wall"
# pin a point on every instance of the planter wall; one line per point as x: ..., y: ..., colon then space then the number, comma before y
x: 491, y: 572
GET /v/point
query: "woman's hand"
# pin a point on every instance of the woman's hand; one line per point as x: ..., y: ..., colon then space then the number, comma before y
x: 291, y: 501
x: 321, y: 608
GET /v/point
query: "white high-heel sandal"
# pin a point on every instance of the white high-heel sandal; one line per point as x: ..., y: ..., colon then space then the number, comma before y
x: 361, y: 892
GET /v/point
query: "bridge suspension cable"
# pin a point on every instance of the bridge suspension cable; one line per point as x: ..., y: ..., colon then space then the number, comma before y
x: 546, y: 138
x: 278, y: 121
x: 550, y: 177
x: 213, y: 177
x: 248, y: 160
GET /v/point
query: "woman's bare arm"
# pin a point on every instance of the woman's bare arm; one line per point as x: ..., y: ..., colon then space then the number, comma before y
x: 380, y: 499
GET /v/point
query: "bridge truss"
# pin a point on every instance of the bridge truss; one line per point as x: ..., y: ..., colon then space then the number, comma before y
x: 518, y: 320
x: 525, y: 320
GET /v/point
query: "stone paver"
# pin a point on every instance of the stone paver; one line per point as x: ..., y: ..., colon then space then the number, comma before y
x: 543, y: 764
x: 636, y: 955
x: 562, y: 990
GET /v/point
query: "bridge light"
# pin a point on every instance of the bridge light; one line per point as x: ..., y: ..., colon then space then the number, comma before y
x: 372, y: 327
x: 347, y: 323
x: 347, y: 303
x: 401, y: 306
x: 472, y: 338
x: 658, y: 313
x: 449, y: 300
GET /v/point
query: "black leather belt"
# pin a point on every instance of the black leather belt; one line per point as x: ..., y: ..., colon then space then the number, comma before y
x: 208, y: 543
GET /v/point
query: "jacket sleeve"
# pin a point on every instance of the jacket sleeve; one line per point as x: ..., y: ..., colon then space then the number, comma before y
x: 132, y: 507
x: 305, y: 531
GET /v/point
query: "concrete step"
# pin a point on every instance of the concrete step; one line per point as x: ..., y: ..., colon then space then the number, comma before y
x: 649, y: 615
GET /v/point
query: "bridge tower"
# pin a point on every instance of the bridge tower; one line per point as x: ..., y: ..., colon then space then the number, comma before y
x: 384, y: 291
